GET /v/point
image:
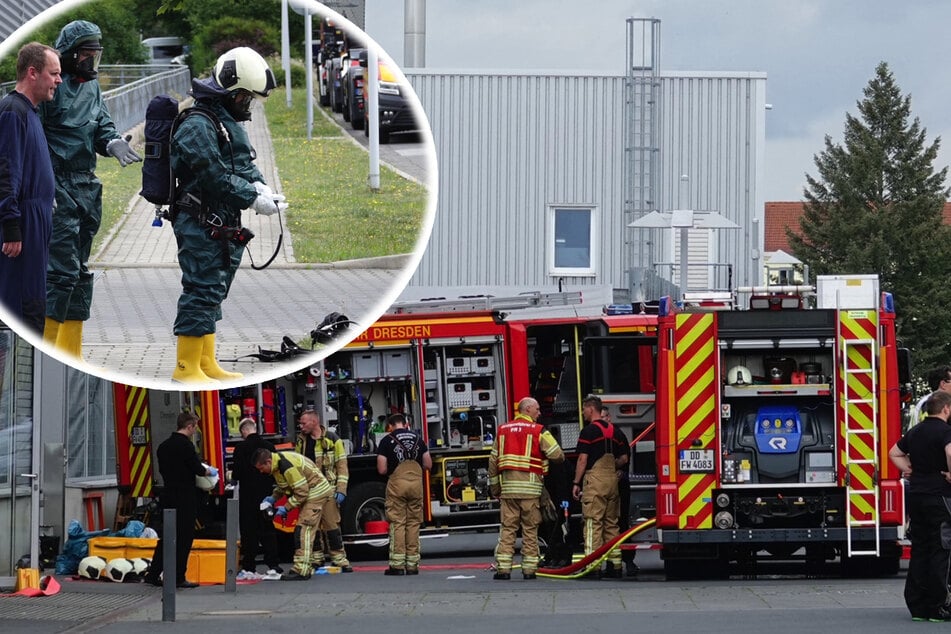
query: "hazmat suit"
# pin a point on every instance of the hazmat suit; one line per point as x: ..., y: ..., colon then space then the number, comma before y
x: 216, y: 180
x: 78, y: 127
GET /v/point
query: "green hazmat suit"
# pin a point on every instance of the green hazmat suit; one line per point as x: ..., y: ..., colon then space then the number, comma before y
x: 78, y: 127
x: 220, y: 175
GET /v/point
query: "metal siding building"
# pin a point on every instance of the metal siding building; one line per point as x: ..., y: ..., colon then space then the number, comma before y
x: 510, y: 146
x: 15, y: 13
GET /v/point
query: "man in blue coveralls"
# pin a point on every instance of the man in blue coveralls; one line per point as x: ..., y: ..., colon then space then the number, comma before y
x: 26, y: 186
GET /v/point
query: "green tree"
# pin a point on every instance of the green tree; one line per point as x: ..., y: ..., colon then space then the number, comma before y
x: 876, y: 207
x: 117, y: 19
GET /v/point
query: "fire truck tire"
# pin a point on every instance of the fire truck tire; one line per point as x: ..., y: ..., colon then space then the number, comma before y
x: 365, y: 503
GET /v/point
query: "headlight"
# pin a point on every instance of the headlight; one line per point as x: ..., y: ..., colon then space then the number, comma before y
x: 723, y: 519
x: 389, y: 88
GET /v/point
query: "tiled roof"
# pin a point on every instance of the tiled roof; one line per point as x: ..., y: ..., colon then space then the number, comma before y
x: 780, y: 215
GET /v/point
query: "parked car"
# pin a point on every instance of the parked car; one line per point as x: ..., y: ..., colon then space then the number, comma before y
x: 351, y: 84
x: 396, y: 114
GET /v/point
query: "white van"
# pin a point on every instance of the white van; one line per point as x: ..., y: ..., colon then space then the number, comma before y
x: 165, y: 50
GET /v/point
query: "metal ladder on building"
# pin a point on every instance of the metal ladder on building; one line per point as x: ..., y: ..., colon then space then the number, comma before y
x: 487, y: 303
x: 861, y: 440
x: 642, y: 127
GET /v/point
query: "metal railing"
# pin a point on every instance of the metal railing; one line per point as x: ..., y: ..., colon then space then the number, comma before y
x: 128, y: 88
x: 661, y: 279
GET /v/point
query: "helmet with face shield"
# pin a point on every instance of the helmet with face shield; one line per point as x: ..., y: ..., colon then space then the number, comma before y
x: 80, y: 49
x: 244, y: 74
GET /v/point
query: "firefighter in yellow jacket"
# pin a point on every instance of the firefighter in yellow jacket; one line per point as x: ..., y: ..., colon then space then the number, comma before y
x: 517, y: 467
x: 327, y: 451
x: 306, y: 489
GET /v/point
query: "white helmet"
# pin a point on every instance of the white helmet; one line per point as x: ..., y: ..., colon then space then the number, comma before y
x: 120, y: 569
x: 243, y: 69
x: 91, y: 567
x: 141, y: 565
x: 739, y: 375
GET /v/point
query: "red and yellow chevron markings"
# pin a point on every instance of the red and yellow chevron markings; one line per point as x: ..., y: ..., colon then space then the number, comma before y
x: 858, y: 331
x: 695, y: 395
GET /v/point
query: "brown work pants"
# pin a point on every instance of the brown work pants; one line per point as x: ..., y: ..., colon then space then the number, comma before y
x: 330, y: 536
x: 307, y: 522
x: 515, y: 513
x: 404, y: 512
x: 600, y: 507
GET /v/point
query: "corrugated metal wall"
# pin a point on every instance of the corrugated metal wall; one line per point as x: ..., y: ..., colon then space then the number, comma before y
x: 714, y: 132
x: 14, y: 13
x: 510, y: 146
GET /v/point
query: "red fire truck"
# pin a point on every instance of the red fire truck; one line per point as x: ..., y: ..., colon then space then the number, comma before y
x: 456, y: 368
x: 773, y: 427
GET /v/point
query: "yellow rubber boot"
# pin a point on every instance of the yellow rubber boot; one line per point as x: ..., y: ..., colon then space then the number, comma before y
x: 209, y: 362
x: 69, y: 338
x: 188, y: 365
x: 50, y: 330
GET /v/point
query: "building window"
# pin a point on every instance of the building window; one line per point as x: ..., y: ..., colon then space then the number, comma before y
x: 16, y: 413
x: 572, y: 247
x: 90, y: 445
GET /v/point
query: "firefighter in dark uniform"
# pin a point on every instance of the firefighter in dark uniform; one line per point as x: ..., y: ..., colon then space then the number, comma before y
x: 601, y: 452
x: 253, y: 486
x: 78, y: 127
x: 178, y: 463
x: 517, y: 466
x: 306, y: 489
x: 327, y: 452
x: 217, y: 179
x: 923, y: 455
x: 402, y: 456
x: 624, y: 500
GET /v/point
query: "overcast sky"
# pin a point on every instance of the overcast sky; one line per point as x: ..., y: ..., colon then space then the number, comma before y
x: 818, y: 54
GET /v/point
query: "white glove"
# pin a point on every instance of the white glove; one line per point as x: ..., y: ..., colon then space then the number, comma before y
x: 122, y: 151
x: 269, y: 205
x: 262, y: 189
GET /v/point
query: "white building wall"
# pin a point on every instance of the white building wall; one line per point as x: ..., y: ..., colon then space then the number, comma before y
x: 511, y: 145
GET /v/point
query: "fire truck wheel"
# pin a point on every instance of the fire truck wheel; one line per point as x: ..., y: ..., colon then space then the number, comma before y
x: 365, y: 503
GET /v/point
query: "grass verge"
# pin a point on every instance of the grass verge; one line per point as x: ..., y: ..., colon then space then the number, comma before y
x: 333, y: 213
x: 119, y: 186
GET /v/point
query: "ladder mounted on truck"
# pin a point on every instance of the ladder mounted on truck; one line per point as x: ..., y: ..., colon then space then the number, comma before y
x: 473, y: 303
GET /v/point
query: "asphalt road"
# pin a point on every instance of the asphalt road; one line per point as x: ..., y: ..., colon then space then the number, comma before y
x: 455, y: 592
x: 408, y: 152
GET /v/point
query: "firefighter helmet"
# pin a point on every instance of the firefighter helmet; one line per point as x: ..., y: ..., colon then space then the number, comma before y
x: 91, y: 567
x: 120, y: 569
x: 243, y: 69
x: 739, y: 375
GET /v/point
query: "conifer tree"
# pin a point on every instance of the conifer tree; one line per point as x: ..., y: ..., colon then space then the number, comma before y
x: 876, y: 206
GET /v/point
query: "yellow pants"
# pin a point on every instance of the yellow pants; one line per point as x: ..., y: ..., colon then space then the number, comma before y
x: 601, y: 508
x: 515, y: 513
x: 304, y: 532
x: 404, y: 512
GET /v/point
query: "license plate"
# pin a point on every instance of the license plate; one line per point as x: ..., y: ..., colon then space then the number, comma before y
x: 696, y: 461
